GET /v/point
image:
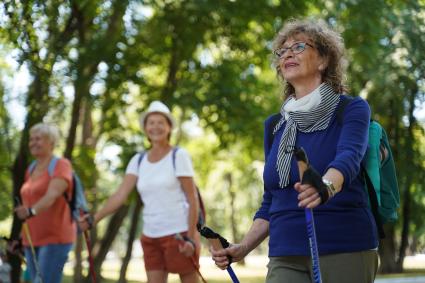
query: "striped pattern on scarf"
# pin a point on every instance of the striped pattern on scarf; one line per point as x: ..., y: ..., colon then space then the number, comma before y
x: 316, y: 119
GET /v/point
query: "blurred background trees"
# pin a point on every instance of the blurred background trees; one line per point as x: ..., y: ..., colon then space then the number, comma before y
x: 91, y: 67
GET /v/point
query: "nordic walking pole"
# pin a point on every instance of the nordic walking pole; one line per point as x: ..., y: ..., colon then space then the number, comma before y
x: 86, y: 237
x: 303, y: 165
x: 28, y: 235
x: 34, y: 256
x: 179, y: 237
x: 218, y: 243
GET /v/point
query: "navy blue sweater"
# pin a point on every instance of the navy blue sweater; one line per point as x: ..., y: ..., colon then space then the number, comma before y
x: 345, y: 223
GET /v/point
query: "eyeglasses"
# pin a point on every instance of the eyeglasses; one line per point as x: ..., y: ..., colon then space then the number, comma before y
x: 296, y: 48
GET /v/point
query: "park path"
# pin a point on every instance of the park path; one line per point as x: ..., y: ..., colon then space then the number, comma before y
x: 420, y: 279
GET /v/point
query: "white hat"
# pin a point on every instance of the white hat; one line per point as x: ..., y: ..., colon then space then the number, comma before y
x: 157, y: 107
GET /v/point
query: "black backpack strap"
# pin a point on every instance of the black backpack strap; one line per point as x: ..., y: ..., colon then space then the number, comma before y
x: 341, y: 108
x: 273, y: 122
x: 373, y: 203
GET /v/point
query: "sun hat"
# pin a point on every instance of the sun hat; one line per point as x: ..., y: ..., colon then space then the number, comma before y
x: 157, y: 107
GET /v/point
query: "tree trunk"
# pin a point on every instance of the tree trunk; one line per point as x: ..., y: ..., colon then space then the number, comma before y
x: 233, y: 221
x: 405, y: 227
x: 131, y: 237
x: 81, y: 89
x: 173, y: 68
x: 78, y: 277
x: 407, y: 196
x: 387, y: 251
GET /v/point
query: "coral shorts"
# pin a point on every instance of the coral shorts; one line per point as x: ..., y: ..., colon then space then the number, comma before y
x: 163, y: 254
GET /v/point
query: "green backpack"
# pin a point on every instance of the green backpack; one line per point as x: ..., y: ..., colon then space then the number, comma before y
x: 379, y: 172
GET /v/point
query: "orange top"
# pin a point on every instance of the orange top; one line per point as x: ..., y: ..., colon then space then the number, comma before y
x: 53, y: 225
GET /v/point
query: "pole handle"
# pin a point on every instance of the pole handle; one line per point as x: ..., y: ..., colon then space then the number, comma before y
x: 215, y: 244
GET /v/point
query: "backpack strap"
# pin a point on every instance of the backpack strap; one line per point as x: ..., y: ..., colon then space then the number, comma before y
x: 50, y: 168
x: 174, y: 156
x: 32, y: 166
x: 373, y: 199
x: 143, y: 153
x: 52, y: 165
x: 275, y: 118
x: 341, y: 108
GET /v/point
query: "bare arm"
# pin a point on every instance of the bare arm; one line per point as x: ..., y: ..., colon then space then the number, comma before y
x: 57, y: 188
x: 118, y: 198
x: 189, y: 189
x: 256, y: 234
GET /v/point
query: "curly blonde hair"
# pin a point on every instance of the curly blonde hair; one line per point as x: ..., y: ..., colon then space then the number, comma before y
x: 329, y: 44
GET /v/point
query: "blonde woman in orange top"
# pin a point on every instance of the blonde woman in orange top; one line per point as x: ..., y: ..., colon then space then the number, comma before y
x: 45, y: 209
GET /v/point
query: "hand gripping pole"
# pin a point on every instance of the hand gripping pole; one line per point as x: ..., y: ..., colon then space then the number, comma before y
x: 29, y: 239
x: 303, y: 164
x: 86, y: 237
x: 218, y: 243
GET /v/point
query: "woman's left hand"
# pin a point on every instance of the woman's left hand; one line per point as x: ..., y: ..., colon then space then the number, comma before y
x: 308, y: 197
x: 22, y: 212
x: 187, y: 248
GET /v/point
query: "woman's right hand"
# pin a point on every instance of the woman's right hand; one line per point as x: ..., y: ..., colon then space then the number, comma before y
x: 236, y: 251
x: 85, y: 222
x: 22, y: 212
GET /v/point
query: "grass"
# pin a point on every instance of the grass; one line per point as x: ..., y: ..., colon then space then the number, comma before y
x: 68, y: 279
x: 255, y: 279
x: 254, y: 271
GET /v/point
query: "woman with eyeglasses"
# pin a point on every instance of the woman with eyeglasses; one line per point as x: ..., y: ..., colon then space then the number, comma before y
x: 310, y: 61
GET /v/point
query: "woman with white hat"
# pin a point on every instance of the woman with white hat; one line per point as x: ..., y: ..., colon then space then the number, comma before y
x: 164, y: 179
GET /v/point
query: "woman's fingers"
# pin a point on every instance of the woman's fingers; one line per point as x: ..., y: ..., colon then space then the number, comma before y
x: 187, y: 249
x: 314, y: 203
x: 221, y: 261
x: 220, y: 257
x: 308, y: 196
x: 22, y: 212
x: 83, y: 222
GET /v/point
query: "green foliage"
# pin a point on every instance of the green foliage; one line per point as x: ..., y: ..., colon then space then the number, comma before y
x: 6, y: 136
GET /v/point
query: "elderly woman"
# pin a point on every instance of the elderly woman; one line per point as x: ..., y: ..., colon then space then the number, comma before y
x: 164, y: 179
x: 44, y: 208
x: 309, y: 59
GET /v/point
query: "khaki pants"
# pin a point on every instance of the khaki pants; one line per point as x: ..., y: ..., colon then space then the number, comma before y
x: 358, y: 267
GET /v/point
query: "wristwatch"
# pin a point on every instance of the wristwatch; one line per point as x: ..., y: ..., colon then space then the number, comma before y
x: 330, y: 186
x: 32, y: 212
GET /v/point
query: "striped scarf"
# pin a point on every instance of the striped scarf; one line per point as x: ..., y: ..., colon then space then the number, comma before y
x: 316, y: 119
